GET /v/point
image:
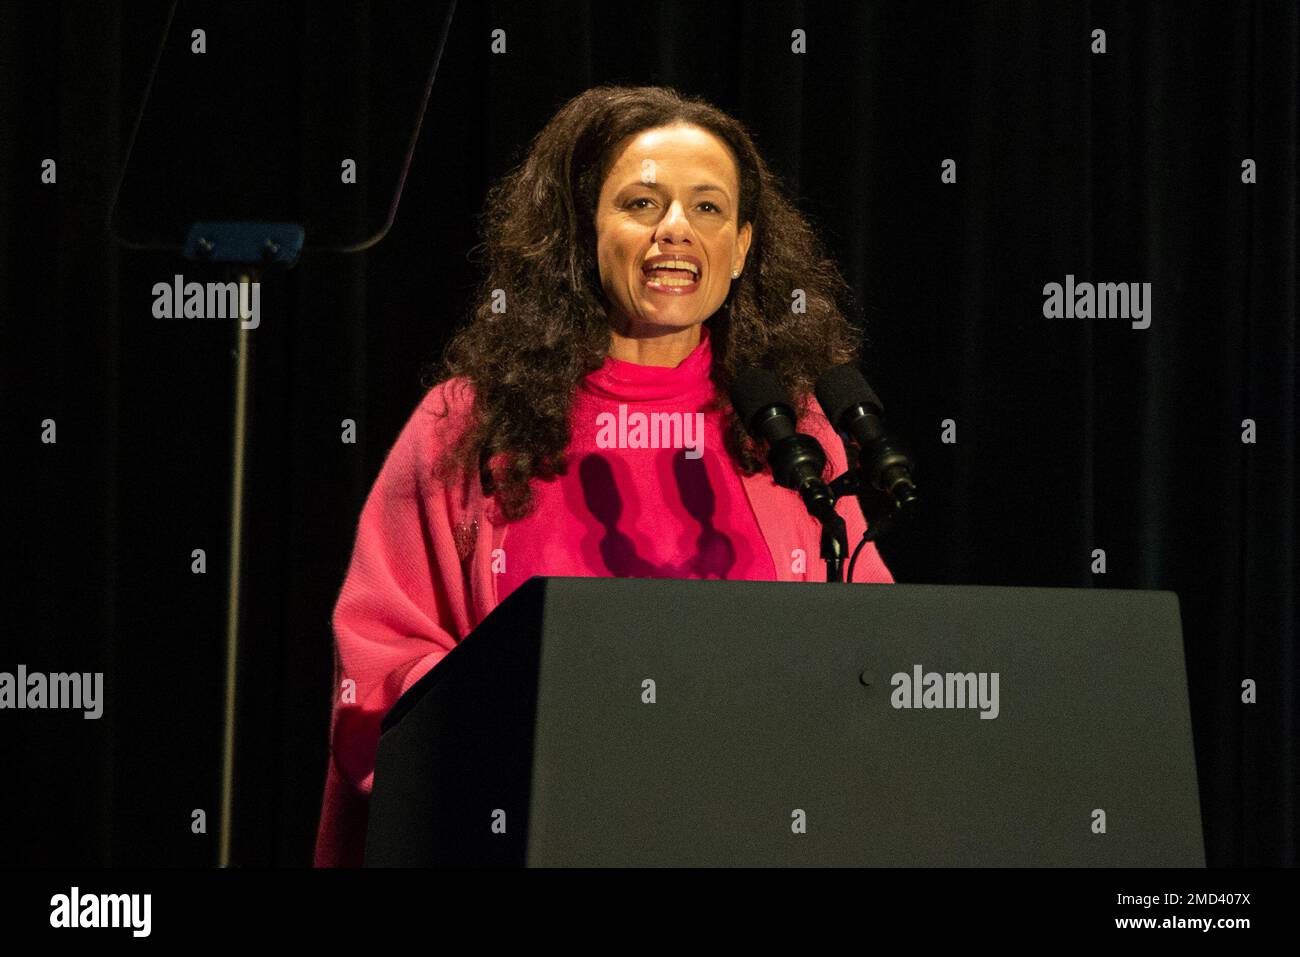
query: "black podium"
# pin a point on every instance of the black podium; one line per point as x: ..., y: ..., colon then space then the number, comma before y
x: 642, y: 722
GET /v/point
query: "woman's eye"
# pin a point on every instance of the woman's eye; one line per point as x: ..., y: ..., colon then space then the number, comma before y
x: 632, y: 204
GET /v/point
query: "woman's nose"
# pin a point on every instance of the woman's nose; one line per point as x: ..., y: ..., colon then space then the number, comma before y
x: 674, y: 226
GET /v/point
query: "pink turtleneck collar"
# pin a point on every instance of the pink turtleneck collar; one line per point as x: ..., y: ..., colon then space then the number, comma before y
x: 626, y: 381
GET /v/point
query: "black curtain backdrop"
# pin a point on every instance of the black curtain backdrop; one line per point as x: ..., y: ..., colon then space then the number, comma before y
x: 1072, y: 434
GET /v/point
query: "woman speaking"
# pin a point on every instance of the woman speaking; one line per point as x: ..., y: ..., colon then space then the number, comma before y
x: 639, y: 256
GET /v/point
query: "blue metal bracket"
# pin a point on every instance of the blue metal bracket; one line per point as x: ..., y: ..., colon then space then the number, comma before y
x: 249, y: 244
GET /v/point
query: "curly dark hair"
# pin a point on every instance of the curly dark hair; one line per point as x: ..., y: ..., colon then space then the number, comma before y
x: 538, y: 232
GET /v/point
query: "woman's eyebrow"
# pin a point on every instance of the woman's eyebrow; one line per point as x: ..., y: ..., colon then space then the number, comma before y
x: 697, y: 188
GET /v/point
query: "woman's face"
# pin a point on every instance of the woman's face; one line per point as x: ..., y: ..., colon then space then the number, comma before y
x: 672, y: 195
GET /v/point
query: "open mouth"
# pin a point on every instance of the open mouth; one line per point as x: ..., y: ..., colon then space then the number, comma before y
x: 672, y: 274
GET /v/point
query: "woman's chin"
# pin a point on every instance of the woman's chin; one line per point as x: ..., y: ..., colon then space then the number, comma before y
x: 657, y: 326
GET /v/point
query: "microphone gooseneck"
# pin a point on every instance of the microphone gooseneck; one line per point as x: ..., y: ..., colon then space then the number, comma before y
x: 797, y: 460
x: 852, y: 407
x: 880, y: 470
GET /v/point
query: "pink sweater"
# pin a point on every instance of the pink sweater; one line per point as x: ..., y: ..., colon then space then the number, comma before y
x: 422, y: 571
x: 626, y: 509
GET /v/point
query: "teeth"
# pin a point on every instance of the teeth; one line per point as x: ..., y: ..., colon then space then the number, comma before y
x: 675, y: 264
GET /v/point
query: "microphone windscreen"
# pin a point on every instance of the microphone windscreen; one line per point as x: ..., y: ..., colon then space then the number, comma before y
x: 842, y: 387
x: 753, y: 390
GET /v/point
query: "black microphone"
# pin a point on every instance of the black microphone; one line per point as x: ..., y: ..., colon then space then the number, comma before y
x: 852, y: 407
x: 797, y: 460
